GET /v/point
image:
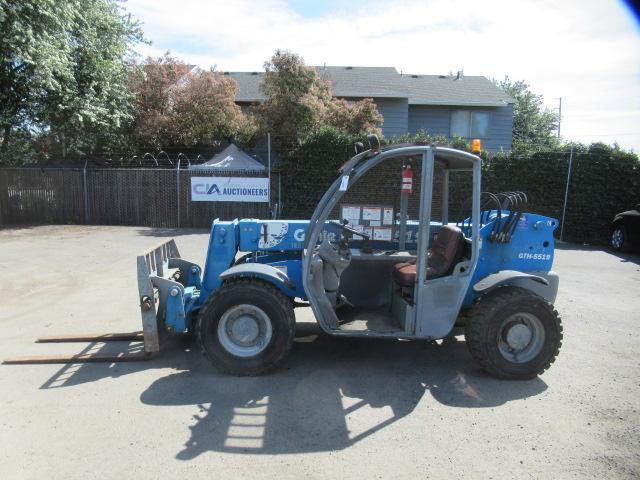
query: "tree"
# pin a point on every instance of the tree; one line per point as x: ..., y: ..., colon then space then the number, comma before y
x: 31, y: 51
x: 63, y: 72
x: 296, y: 99
x: 177, y: 104
x: 299, y: 103
x: 533, y: 125
x: 153, y: 85
x: 354, y: 118
x: 204, y: 109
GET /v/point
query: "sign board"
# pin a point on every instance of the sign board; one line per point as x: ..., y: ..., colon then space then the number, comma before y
x: 377, y: 221
x: 367, y: 215
x: 229, y: 189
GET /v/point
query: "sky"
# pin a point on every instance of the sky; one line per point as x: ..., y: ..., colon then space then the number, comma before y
x: 587, y: 52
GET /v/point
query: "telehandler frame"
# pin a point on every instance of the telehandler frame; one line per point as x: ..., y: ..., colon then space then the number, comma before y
x: 489, y: 272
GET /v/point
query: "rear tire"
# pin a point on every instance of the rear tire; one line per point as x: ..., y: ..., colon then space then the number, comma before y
x: 619, y: 239
x: 247, y: 327
x: 513, y: 333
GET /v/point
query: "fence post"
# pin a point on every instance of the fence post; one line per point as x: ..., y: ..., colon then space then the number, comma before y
x: 566, y: 194
x: 86, y: 196
x: 3, y: 190
x: 269, y: 171
x: 178, y: 191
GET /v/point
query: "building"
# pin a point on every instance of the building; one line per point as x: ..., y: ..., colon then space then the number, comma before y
x: 449, y: 105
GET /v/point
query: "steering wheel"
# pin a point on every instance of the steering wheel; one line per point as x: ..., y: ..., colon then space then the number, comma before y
x: 344, y: 227
x: 352, y: 231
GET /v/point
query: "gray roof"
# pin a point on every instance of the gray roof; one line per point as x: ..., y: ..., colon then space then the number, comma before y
x: 451, y: 90
x: 386, y: 82
x: 364, y: 82
x: 248, y: 86
x: 358, y: 82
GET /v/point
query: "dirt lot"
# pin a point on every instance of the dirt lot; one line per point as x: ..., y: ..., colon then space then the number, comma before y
x: 340, y: 409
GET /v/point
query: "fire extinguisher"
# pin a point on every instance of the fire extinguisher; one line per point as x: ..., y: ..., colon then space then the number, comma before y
x: 407, y: 179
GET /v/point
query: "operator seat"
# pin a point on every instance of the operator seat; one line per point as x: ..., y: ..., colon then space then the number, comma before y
x: 444, y: 254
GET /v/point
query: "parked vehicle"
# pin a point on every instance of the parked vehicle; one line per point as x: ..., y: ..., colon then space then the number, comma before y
x: 625, y: 230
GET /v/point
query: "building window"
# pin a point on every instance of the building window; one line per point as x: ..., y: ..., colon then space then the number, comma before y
x: 469, y: 124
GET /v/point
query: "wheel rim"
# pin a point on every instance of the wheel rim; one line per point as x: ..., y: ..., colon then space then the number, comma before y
x: 521, y: 337
x: 244, y: 330
x: 617, y: 238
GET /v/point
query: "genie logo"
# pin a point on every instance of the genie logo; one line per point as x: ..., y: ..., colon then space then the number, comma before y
x: 298, y: 235
x: 229, y: 189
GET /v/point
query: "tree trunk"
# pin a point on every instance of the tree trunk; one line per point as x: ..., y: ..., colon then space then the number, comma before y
x: 5, y: 139
x: 64, y: 147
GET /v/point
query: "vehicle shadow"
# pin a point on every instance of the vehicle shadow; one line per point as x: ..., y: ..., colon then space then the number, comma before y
x: 632, y: 257
x: 329, y: 394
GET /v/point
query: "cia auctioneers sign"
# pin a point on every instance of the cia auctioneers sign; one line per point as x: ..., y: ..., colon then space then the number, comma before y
x: 229, y: 189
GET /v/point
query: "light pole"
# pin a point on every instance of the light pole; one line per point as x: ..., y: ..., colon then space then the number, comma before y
x: 559, y: 114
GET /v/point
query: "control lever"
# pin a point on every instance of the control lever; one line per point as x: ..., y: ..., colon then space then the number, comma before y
x: 366, y: 247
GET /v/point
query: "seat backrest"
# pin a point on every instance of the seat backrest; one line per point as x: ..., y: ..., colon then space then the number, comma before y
x: 445, y: 251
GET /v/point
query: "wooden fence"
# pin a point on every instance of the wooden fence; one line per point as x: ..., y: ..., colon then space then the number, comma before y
x: 112, y: 196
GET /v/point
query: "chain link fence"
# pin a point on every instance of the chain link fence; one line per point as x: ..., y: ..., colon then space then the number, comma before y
x: 114, y: 196
x: 585, y: 188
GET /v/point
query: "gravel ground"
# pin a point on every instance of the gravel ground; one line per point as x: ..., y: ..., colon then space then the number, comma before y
x: 340, y: 409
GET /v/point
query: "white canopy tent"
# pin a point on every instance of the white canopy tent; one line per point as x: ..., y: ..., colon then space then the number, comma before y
x: 231, y: 158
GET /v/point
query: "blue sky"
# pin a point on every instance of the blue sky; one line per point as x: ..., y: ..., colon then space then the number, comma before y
x: 311, y: 9
x: 587, y: 52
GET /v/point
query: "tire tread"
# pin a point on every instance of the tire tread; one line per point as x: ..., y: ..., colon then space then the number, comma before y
x: 251, y: 284
x: 478, y: 320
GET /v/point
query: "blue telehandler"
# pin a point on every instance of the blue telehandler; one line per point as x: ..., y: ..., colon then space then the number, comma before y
x: 488, y: 273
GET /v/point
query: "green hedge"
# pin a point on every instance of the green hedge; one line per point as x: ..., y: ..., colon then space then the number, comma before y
x: 604, y: 181
x: 308, y: 170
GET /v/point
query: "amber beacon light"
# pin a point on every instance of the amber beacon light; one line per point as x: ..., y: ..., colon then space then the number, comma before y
x: 476, y: 146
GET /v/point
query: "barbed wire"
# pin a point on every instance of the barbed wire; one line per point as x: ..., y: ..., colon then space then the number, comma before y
x: 189, y: 157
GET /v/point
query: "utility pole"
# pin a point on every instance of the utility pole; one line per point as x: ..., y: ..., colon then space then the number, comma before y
x: 269, y: 172
x: 566, y: 194
x: 559, y: 115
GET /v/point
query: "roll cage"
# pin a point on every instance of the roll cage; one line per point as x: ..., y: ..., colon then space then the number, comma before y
x: 436, y: 303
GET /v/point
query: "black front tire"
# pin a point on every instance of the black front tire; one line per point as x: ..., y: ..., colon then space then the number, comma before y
x: 264, y: 296
x: 484, y: 332
x: 619, y: 238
